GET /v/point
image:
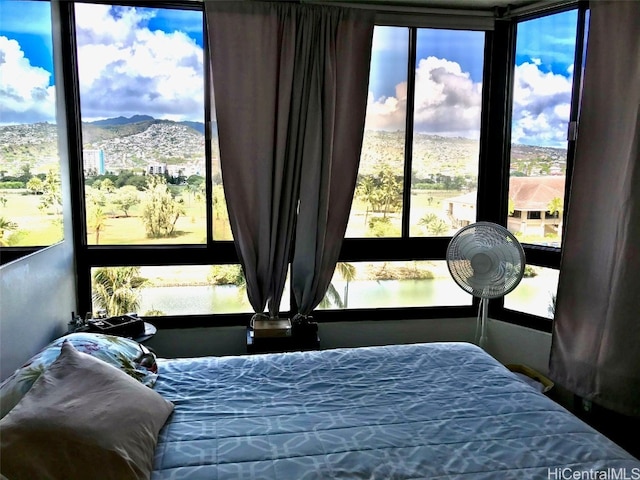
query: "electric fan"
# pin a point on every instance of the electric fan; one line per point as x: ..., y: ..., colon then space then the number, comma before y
x: 487, y: 261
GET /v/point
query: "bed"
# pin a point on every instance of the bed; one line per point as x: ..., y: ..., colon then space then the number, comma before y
x: 423, y: 411
x: 439, y: 410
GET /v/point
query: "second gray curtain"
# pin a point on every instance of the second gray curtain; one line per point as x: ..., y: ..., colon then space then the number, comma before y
x: 290, y: 86
x: 596, y: 331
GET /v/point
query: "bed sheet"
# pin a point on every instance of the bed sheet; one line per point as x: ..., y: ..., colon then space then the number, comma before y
x: 433, y: 411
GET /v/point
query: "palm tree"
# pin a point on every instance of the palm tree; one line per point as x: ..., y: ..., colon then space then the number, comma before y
x: 97, y: 221
x: 115, y: 289
x: 438, y: 228
x: 426, y: 220
x: 332, y: 297
x: 367, y: 190
x: 556, y: 205
x: 6, y: 225
x: 348, y: 273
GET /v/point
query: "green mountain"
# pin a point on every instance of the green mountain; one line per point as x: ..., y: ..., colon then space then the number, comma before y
x: 137, y: 141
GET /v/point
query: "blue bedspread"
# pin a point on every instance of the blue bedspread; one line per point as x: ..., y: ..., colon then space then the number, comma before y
x: 441, y: 410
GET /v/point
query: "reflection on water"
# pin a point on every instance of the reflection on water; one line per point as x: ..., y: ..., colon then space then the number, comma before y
x: 535, y: 295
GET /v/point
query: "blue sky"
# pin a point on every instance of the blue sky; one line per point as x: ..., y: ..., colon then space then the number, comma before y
x: 34, y: 35
x: 449, y: 80
x: 150, y: 61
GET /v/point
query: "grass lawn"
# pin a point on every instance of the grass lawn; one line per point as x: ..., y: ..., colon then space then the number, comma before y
x: 423, y: 202
x: 34, y: 226
x: 191, y: 228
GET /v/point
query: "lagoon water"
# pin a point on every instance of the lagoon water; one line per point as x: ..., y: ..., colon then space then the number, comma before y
x: 533, y: 296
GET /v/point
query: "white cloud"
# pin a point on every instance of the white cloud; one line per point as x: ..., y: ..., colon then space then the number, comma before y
x: 127, y: 69
x: 25, y: 93
x: 447, y: 102
x: 541, y: 104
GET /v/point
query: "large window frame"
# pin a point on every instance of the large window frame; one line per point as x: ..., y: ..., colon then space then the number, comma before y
x: 492, y: 202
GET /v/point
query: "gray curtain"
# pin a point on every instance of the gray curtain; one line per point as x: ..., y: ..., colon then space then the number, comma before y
x: 596, y: 337
x: 337, y: 92
x: 290, y: 85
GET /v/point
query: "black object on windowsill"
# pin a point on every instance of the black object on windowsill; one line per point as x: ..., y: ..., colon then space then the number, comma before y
x: 303, y: 326
x: 123, y: 325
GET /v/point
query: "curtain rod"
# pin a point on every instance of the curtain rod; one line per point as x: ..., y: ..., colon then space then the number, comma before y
x: 383, y: 7
x: 404, y: 8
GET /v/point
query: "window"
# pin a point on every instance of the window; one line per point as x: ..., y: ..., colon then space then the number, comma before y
x: 536, y: 293
x: 172, y: 290
x: 393, y: 285
x: 446, y: 131
x: 377, y: 205
x: 30, y: 189
x: 428, y: 162
x: 141, y: 80
x: 444, y: 98
x: 418, y: 174
x: 545, y: 101
x: 542, y: 94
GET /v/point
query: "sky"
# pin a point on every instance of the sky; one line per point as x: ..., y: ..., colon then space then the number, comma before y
x: 150, y: 61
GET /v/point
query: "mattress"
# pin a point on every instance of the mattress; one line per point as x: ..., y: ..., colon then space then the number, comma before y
x: 439, y: 410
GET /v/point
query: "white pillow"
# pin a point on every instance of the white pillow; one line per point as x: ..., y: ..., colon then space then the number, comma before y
x: 83, y: 418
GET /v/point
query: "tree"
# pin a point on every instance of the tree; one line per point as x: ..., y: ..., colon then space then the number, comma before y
x: 126, y: 197
x: 35, y: 186
x: 366, y: 190
x: 226, y: 275
x: 381, y: 192
x: 426, y: 220
x: 115, y: 289
x: 556, y: 205
x: 5, y: 226
x: 160, y: 210
x: 107, y: 185
x: 229, y: 275
x: 390, y: 189
x: 331, y: 297
x: 382, y: 227
x: 97, y: 220
x: 138, y: 181
x: 348, y: 273
x: 435, y: 226
x: 51, y: 192
x: 438, y: 228
x: 219, y: 202
x: 95, y: 196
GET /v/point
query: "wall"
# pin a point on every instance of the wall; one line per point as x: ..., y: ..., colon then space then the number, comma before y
x: 232, y: 340
x: 507, y: 342
x: 38, y: 292
x: 37, y: 295
x: 511, y: 343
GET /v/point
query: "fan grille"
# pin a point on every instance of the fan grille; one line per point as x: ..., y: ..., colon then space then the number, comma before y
x: 485, y: 260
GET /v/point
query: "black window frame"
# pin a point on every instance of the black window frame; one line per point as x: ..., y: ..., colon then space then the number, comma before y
x: 492, y: 202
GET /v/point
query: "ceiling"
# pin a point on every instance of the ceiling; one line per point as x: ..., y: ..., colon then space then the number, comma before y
x: 480, y: 5
x: 463, y: 4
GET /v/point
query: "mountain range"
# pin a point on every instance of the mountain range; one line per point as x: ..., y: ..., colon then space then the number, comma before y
x: 137, y: 141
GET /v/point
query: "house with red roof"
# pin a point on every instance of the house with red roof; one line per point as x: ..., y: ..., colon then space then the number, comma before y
x: 531, y: 210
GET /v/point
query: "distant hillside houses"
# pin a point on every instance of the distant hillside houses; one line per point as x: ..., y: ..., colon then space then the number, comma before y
x: 530, y: 202
x: 156, y: 168
x: 94, y: 164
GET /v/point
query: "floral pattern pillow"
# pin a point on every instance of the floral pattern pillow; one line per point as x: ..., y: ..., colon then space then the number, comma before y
x: 123, y: 353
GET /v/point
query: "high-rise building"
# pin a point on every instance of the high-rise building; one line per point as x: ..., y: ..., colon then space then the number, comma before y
x: 93, y: 162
